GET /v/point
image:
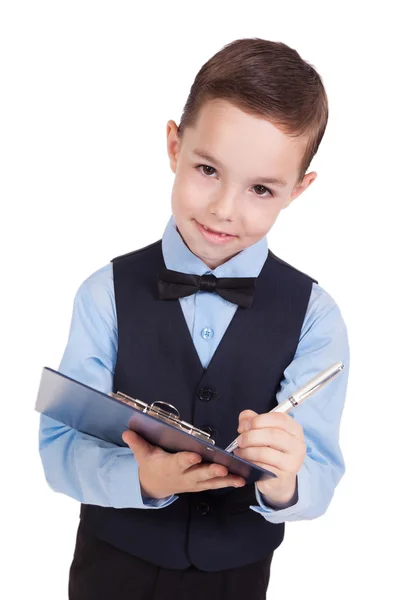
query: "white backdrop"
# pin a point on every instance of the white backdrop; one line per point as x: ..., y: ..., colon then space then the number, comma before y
x: 86, y: 92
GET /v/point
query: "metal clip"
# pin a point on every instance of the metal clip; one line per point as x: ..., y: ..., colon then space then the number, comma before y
x: 155, y: 410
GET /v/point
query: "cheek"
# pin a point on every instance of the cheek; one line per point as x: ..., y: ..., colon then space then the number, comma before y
x: 187, y: 193
x: 182, y: 200
x: 259, y: 219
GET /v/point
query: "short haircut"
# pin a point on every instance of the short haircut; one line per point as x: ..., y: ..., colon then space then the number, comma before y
x: 266, y: 79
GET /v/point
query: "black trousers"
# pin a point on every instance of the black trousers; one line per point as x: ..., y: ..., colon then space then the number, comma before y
x: 102, y: 572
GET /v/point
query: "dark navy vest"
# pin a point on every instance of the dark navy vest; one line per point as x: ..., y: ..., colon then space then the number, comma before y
x: 157, y: 360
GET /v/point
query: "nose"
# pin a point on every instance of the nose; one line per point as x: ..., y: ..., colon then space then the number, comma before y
x: 224, y: 206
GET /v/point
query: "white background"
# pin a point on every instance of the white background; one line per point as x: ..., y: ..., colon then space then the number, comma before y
x: 86, y: 91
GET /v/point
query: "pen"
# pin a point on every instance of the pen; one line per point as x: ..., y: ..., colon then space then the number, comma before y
x: 305, y: 391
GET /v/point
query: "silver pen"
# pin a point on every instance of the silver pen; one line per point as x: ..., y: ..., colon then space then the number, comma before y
x: 306, y: 390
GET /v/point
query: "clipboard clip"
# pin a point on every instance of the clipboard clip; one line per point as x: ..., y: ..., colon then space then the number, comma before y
x: 169, y: 414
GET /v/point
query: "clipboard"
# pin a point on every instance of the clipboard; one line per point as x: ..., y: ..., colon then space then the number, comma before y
x: 107, y: 416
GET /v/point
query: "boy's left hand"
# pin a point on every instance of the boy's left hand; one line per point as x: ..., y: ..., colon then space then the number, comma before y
x: 274, y: 441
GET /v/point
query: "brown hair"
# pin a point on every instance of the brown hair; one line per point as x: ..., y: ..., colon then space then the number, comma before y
x: 267, y: 79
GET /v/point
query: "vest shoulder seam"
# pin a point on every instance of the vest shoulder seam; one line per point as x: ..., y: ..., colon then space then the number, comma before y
x: 285, y: 264
x: 138, y: 251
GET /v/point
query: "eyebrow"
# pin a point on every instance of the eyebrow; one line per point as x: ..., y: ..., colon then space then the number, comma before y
x: 262, y: 179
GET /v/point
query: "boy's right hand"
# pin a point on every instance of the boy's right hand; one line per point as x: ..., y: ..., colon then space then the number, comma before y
x: 162, y: 474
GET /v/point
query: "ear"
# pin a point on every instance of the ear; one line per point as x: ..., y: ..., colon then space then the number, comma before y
x: 301, y: 187
x: 173, y: 144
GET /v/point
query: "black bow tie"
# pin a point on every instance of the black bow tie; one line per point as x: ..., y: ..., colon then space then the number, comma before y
x: 239, y: 290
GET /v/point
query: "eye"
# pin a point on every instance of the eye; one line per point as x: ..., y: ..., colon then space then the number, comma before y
x: 262, y: 194
x: 207, y: 173
x: 205, y: 170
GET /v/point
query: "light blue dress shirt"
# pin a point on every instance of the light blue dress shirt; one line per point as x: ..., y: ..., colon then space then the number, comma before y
x: 97, y: 472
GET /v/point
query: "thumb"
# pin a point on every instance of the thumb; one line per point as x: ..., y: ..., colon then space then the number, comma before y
x: 245, y: 419
x: 140, y: 448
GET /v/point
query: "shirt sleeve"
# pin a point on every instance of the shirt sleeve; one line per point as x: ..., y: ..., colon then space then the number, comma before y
x: 322, y: 342
x: 81, y: 466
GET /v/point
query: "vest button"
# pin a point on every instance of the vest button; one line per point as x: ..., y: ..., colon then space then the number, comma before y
x: 207, y: 429
x: 203, y: 508
x: 205, y: 394
x: 212, y: 431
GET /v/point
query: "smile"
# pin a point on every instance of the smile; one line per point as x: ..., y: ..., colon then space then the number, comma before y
x: 214, y: 236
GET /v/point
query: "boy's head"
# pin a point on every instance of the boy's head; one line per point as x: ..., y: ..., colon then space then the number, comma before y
x: 256, y: 112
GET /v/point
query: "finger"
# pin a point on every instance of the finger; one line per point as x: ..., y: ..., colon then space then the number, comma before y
x: 266, y: 457
x: 279, y: 421
x: 220, y: 482
x: 186, y: 460
x: 206, y: 472
x: 271, y: 437
x: 140, y: 447
x: 246, y: 417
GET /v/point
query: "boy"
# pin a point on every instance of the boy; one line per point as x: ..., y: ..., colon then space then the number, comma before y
x: 156, y: 525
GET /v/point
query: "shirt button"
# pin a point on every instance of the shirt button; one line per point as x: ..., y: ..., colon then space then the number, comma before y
x: 207, y: 333
x: 203, y: 508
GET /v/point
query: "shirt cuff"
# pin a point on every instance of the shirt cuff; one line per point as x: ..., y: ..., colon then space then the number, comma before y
x: 124, y: 486
x: 280, y: 515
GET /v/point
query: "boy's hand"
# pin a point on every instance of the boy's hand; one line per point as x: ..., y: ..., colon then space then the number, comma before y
x: 275, y: 442
x: 162, y: 474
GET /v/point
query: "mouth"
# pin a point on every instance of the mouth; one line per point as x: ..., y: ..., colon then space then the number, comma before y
x: 213, y: 235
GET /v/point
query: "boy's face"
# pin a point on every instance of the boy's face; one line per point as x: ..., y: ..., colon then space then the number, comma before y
x: 227, y: 192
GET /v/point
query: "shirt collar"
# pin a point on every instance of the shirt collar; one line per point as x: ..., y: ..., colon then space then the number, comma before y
x: 178, y: 257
